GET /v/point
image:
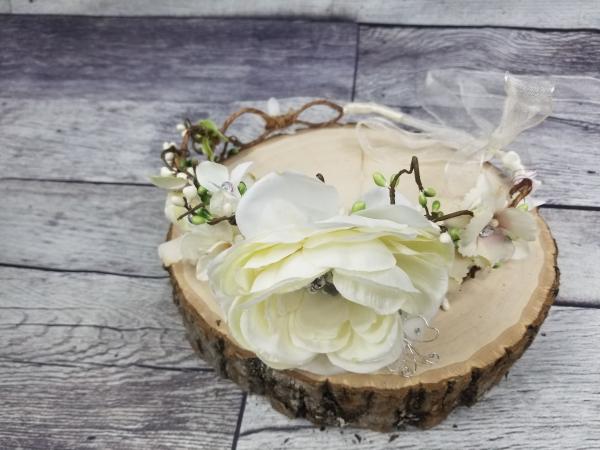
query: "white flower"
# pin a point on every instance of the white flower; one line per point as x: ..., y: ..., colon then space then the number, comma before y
x: 222, y: 185
x: 199, y: 246
x: 314, y: 289
x: 512, y: 162
x: 496, y: 232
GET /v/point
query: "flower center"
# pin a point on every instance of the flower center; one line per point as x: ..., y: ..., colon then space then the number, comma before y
x: 488, y: 230
x: 227, y: 186
x: 323, y: 283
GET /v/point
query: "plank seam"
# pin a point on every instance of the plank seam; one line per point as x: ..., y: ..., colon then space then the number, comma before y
x: 87, y: 271
x: 64, y: 180
x: 480, y: 26
x: 118, y: 366
x: 238, y: 426
x: 356, y: 53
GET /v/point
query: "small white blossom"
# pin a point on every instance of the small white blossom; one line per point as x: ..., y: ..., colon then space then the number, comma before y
x: 166, y: 172
x: 167, y: 145
x: 222, y: 184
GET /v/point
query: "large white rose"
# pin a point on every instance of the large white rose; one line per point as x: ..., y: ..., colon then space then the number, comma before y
x: 312, y: 288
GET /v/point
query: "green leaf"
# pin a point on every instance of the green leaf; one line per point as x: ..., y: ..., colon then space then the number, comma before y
x: 212, y: 128
x: 207, y: 149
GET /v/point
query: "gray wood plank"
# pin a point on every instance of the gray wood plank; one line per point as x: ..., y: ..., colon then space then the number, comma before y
x: 82, y: 227
x: 45, y: 406
x: 89, y: 320
x: 394, y: 61
x: 520, y: 13
x: 101, y: 140
x: 116, y: 229
x: 119, y: 141
x: 549, y: 400
x: 185, y: 60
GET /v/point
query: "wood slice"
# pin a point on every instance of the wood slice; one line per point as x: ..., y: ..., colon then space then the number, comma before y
x: 493, y: 318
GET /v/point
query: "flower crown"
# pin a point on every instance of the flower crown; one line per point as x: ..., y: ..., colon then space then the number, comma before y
x: 304, y: 282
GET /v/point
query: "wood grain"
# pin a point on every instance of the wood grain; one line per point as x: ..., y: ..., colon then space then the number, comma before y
x: 534, y: 408
x: 101, y: 140
x: 393, y: 60
x: 46, y: 406
x: 82, y: 227
x: 89, y: 227
x: 528, y: 13
x: 187, y: 60
x: 90, y: 320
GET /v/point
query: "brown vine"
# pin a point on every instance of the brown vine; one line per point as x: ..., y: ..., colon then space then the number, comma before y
x: 280, y: 122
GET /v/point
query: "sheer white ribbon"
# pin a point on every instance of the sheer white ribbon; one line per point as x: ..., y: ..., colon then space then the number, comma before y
x: 476, y: 114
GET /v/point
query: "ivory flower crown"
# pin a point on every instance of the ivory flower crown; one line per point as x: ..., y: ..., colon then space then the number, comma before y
x: 303, y: 282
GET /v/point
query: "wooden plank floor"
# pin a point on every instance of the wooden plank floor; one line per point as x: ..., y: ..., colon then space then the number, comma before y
x: 92, y: 352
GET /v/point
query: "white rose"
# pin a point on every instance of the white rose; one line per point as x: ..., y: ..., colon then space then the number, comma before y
x: 313, y: 289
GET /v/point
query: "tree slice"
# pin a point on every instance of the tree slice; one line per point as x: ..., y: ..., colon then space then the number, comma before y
x: 493, y: 318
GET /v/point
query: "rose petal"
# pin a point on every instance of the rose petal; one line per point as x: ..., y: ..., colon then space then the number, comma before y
x: 320, y: 324
x: 279, y: 201
x: 263, y: 330
x: 271, y: 255
x: 367, y: 256
x: 382, y: 299
x: 295, y: 267
x: 361, y: 356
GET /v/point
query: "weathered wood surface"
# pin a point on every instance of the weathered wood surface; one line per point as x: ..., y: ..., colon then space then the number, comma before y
x: 89, y: 227
x: 83, y: 99
x: 535, y: 407
x: 62, y: 406
x: 189, y: 60
x: 88, y: 320
x: 88, y: 136
x: 519, y: 13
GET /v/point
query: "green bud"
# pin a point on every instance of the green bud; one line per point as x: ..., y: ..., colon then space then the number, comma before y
x: 358, y: 206
x: 379, y: 179
x: 422, y: 200
x: 205, y: 214
x: 436, y: 205
x: 523, y: 207
x: 202, y: 190
x: 429, y: 192
x: 197, y: 220
x: 454, y: 234
x: 242, y: 188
